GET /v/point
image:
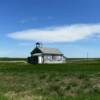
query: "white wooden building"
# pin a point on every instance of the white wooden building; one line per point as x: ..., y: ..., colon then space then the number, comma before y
x: 41, y: 55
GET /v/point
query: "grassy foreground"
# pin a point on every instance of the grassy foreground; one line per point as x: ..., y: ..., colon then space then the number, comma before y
x: 71, y: 81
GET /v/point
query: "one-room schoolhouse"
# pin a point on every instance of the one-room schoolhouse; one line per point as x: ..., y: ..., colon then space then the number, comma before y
x: 42, y: 55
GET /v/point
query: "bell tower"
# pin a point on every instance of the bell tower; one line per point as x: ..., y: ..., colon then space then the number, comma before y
x: 38, y: 45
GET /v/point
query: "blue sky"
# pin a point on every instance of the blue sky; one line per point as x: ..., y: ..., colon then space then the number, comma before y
x: 73, y: 26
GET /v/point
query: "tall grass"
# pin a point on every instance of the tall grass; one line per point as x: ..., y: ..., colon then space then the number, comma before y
x: 71, y: 81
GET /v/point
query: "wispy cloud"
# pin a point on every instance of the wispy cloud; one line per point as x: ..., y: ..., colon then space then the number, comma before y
x: 28, y: 20
x: 26, y: 44
x: 50, y: 17
x: 35, y: 19
x: 23, y: 21
x: 66, y: 33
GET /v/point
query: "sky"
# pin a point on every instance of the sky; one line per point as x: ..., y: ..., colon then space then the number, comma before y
x: 73, y: 26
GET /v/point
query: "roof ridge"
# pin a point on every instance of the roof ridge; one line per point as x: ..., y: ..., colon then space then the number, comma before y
x: 48, y: 48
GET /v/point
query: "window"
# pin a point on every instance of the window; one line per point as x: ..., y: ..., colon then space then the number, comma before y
x: 49, y: 58
x: 57, y: 58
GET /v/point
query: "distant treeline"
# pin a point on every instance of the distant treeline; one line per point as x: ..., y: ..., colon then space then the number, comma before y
x: 76, y: 58
x: 83, y: 60
x: 12, y: 59
x: 67, y: 59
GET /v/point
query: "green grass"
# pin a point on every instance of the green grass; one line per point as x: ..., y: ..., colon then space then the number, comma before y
x: 12, y: 59
x: 71, y: 81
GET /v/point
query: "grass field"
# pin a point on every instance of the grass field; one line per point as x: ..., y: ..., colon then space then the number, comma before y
x: 70, y: 81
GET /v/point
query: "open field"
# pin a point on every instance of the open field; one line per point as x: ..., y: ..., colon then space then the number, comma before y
x: 70, y: 81
x: 12, y: 59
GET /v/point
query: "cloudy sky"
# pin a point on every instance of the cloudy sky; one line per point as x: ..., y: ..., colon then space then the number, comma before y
x: 73, y: 26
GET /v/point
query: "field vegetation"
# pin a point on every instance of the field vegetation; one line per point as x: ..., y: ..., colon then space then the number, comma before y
x: 70, y: 81
x: 12, y: 59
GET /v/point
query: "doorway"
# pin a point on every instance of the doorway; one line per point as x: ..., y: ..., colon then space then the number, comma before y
x: 35, y: 59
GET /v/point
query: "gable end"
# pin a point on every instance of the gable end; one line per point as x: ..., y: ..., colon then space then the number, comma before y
x: 36, y: 50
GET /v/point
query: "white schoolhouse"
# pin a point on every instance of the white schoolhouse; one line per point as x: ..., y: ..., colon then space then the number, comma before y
x: 42, y: 55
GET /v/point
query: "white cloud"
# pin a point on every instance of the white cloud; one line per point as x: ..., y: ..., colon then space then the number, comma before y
x: 58, y: 34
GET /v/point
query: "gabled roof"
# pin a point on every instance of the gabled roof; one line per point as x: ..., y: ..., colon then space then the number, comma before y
x: 48, y: 50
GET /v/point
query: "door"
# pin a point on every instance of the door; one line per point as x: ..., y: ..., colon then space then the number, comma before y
x: 35, y: 59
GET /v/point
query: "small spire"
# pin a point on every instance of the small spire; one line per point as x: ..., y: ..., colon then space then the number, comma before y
x: 38, y: 44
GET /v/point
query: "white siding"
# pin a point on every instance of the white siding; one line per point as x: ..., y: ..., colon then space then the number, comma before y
x: 53, y: 59
x: 40, y: 60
